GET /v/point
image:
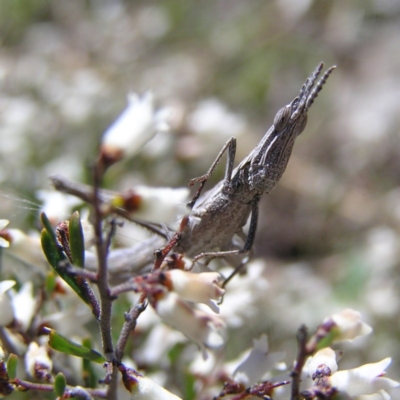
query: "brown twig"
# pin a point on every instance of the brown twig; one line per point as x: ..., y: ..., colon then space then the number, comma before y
x: 303, y: 353
x: 129, y: 325
x: 102, y: 283
x: 86, y: 393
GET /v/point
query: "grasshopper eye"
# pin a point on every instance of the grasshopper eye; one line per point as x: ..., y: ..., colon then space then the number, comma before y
x: 282, y: 118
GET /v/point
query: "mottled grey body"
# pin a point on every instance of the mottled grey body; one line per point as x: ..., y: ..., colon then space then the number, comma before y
x: 220, y: 214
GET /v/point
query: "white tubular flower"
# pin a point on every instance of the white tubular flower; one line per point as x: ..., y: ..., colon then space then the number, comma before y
x: 143, y: 388
x: 323, y: 359
x: 365, y: 380
x: 199, y: 288
x: 350, y: 325
x: 3, y: 241
x: 137, y: 124
x: 156, y: 204
x: 195, y: 324
x: 7, y: 311
x: 257, y: 363
x: 37, y: 362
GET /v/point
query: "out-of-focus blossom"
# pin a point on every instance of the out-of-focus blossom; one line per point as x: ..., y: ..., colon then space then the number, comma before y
x: 143, y: 388
x: 24, y: 304
x: 211, y: 117
x: 7, y: 312
x: 257, y: 363
x: 365, y: 380
x: 137, y: 124
x: 26, y: 248
x: 153, y: 204
x: 198, y: 326
x: 56, y: 205
x: 349, y: 324
x: 199, y: 288
x: 3, y: 242
x: 37, y: 362
x: 324, y: 358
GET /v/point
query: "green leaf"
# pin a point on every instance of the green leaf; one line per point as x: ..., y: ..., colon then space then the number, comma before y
x: 12, y: 364
x: 47, y: 225
x: 55, y: 256
x: 65, y: 345
x: 60, y: 383
x: 50, y: 282
x: 90, y: 376
x: 76, y: 240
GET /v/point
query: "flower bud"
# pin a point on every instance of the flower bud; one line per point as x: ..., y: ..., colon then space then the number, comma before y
x: 143, y: 388
x: 323, y: 362
x: 37, y: 362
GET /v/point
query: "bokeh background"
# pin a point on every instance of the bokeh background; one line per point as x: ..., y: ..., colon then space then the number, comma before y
x: 329, y: 234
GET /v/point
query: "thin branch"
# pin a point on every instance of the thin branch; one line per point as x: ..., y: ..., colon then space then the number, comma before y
x: 102, y: 283
x: 71, y: 391
x: 85, y: 193
x: 129, y: 325
x: 129, y: 286
x: 303, y: 353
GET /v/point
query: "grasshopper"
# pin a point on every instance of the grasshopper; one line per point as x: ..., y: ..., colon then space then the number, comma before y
x: 214, y: 226
x: 218, y: 217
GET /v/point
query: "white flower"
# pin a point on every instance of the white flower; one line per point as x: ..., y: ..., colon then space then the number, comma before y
x: 37, y: 362
x: 56, y: 205
x: 143, y: 388
x: 3, y: 241
x: 195, y: 324
x: 349, y: 324
x: 7, y: 311
x: 137, y: 124
x: 26, y: 248
x: 199, y: 288
x: 365, y: 380
x: 153, y: 204
x: 212, y: 118
x: 257, y: 363
x: 24, y: 304
x: 323, y: 358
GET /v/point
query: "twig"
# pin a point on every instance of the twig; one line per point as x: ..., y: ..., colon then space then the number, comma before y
x: 85, y: 193
x: 102, y: 284
x: 303, y: 353
x: 86, y: 393
x: 129, y: 325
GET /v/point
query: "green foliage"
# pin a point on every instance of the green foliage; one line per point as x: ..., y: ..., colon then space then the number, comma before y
x: 65, y: 345
x: 76, y: 240
x: 60, y: 384
x: 56, y: 257
x: 12, y: 364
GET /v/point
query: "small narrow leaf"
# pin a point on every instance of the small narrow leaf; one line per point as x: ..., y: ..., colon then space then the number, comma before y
x: 65, y: 345
x: 76, y: 240
x: 55, y: 256
x: 47, y: 225
x: 60, y: 383
x: 12, y: 364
